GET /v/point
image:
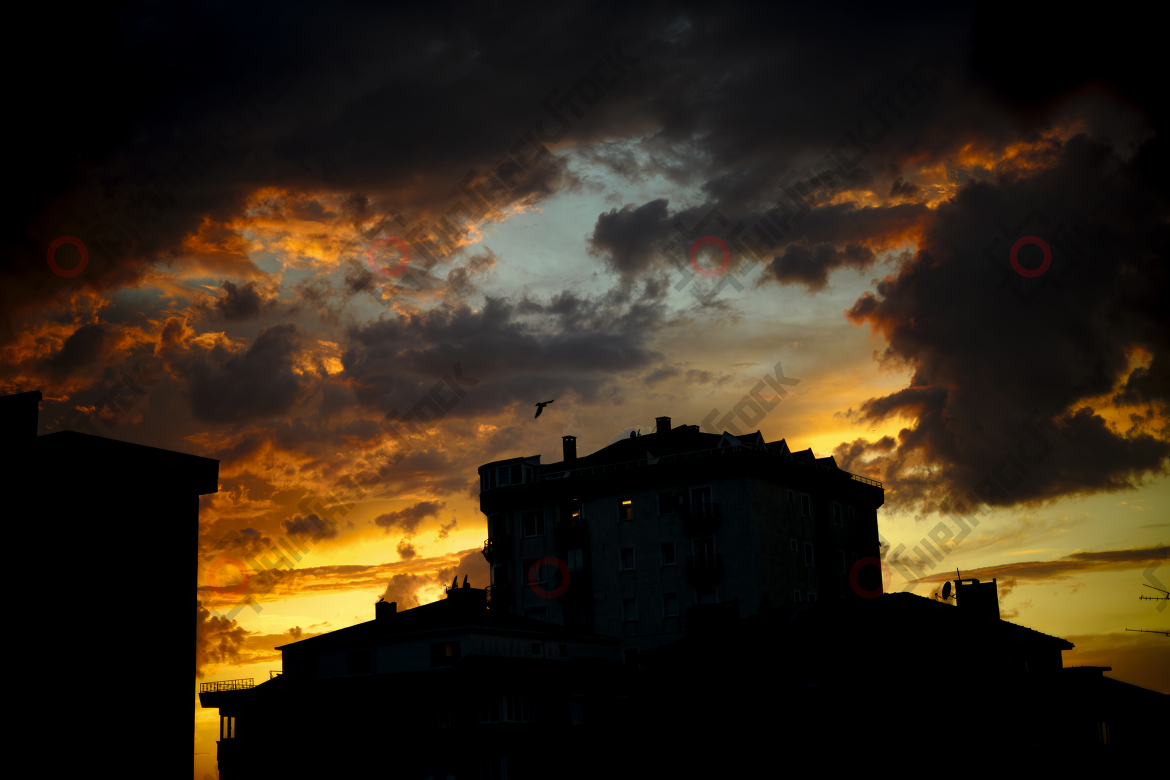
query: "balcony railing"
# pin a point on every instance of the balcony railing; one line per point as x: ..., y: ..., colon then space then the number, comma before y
x: 497, y: 548
x: 273, y: 674
x: 228, y: 685
x: 699, y: 519
x: 704, y: 571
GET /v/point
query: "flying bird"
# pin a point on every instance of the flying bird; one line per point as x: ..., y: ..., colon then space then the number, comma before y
x: 540, y: 407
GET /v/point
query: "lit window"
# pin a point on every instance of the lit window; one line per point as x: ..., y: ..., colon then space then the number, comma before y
x: 444, y: 653
x: 670, y: 604
x: 629, y: 610
x: 626, y: 510
x: 627, y: 558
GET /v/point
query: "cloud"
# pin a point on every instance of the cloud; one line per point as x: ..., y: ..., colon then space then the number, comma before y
x: 409, y: 519
x: 1063, y: 568
x: 240, y: 302
x: 217, y: 640
x: 406, y: 550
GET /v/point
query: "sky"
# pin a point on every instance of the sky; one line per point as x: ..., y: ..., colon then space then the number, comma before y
x: 267, y: 280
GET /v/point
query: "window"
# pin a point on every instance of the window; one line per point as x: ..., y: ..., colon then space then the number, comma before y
x: 796, y: 595
x: 537, y: 650
x: 629, y: 610
x: 359, y: 662
x: 563, y: 650
x: 504, y: 476
x: 709, y: 597
x: 508, y: 708
x: 537, y: 613
x: 668, y: 553
x: 444, y: 653
x: 701, y: 495
x: 534, y: 577
x: 852, y: 516
x: 670, y: 604
x: 808, y: 555
x: 577, y: 712
x: 792, y: 498
x: 792, y: 545
x: 805, y: 505
x: 665, y: 504
x: 491, y: 475
x: 626, y: 509
x: 576, y: 560
x: 836, y: 513
x: 533, y: 523
x: 627, y: 558
x: 630, y: 654
x: 498, y: 524
x: 841, y: 562
x: 502, y: 573
x: 705, y: 551
x: 515, y: 474
x: 812, y: 596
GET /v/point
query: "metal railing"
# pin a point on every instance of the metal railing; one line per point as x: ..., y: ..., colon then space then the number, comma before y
x: 228, y: 685
x: 497, y: 547
x: 273, y: 674
x: 707, y: 453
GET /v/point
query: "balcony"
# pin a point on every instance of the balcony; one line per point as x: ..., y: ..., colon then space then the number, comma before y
x: 497, y: 548
x: 700, y: 519
x: 228, y: 685
x: 704, y: 571
x: 572, y: 533
x: 501, y: 596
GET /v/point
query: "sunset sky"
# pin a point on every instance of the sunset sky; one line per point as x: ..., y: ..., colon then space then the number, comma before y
x: 227, y: 163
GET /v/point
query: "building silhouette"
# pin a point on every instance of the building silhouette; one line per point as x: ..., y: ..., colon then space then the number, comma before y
x: 107, y: 528
x: 451, y: 688
x: 662, y: 532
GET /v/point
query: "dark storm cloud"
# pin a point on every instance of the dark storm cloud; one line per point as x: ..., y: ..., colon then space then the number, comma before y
x: 240, y: 302
x: 257, y: 383
x: 984, y: 357
x: 85, y: 347
x: 567, y: 345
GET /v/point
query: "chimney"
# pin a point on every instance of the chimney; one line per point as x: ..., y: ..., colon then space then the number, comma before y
x: 384, y: 610
x: 18, y: 417
x: 570, y: 443
x: 663, y: 424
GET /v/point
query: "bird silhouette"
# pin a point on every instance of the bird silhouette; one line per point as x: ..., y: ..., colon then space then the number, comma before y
x: 540, y: 407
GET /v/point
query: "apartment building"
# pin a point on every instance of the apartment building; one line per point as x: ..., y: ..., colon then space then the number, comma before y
x: 451, y: 688
x: 650, y: 533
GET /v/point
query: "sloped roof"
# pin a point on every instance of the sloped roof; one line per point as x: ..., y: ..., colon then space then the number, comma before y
x: 443, y: 615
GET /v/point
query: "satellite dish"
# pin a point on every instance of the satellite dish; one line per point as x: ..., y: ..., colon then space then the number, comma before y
x: 947, y: 591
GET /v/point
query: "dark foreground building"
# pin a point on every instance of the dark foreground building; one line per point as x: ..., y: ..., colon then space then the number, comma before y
x: 899, y: 680
x: 652, y: 529
x: 449, y: 689
x: 127, y: 516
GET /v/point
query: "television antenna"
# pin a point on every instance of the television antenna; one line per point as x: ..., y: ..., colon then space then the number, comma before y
x: 1164, y: 597
x: 1144, y: 631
